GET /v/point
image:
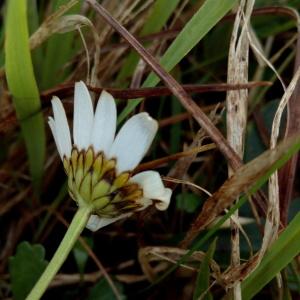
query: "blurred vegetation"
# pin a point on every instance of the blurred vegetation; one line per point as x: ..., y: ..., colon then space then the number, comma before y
x: 191, y: 40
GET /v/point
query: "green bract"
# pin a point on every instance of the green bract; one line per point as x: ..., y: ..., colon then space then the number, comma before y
x: 93, y: 181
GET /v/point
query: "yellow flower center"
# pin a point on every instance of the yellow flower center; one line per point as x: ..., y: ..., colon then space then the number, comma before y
x: 93, y: 181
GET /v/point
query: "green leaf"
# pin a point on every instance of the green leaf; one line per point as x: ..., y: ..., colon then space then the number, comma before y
x: 23, y: 87
x: 25, y: 268
x: 274, y: 261
x: 188, y: 202
x: 80, y: 254
x: 33, y: 17
x: 202, y: 282
x: 102, y: 290
x: 199, y: 25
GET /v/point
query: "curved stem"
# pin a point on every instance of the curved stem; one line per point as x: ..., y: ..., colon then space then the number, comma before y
x: 77, y: 225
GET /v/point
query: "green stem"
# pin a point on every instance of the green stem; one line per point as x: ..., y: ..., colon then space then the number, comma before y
x: 77, y: 225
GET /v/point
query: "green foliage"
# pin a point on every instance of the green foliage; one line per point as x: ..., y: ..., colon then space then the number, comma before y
x: 25, y: 268
x: 32, y: 16
x: 188, y: 202
x: 23, y: 87
x: 102, y: 290
x: 202, y: 282
x: 80, y: 254
x: 199, y: 25
x: 53, y: 62
x: 274, y: 261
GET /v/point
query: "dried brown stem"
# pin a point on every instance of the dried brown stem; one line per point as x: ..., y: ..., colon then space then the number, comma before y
x: 161, y: 161
x: 67, y: 89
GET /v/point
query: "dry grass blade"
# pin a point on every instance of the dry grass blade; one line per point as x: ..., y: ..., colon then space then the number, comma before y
x: 61, y: 25
x: 175, y: 87
x: 161, y: 161
x: 288, y: 172
x: 182, y: 166
x: 55, y: 23
x: 273, y: 215
x: 237, y: 104
x: 239, y: 183
x: 58, y: 23
x: 148, y: 255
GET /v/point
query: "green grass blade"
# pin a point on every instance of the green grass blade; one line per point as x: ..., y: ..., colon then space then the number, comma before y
x: 274, y: 261
x: 33, y: 17
x: 202, y: 282
x: 162, y: 10
x: 200, y: 24
x: 23, y: 87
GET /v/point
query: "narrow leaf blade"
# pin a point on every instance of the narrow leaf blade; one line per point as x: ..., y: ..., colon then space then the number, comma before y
x: 23, y: 87
x: 202, y: 282
x: 274, y: 261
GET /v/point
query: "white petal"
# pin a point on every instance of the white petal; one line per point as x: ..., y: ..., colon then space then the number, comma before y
x: 62, y: 131
x: 153, y: 188
x: 145, y: 202
x: 105, y: 121
x: 133, y: 141
x: 164, y: 202
x: 51, y: 123
x: 95, y: 222
x: 83, y: 116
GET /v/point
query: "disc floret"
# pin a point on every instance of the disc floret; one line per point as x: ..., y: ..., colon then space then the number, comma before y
x: 93, y: 181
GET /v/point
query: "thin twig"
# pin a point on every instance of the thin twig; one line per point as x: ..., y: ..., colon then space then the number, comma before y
x: 160, y: 161
x: 67, y: 89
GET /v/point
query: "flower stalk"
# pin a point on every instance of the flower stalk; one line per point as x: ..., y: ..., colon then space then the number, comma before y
x: 99, y: 166
x: 76, y: 227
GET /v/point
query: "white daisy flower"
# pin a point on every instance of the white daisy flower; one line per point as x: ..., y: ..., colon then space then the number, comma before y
x: 99, y: 164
